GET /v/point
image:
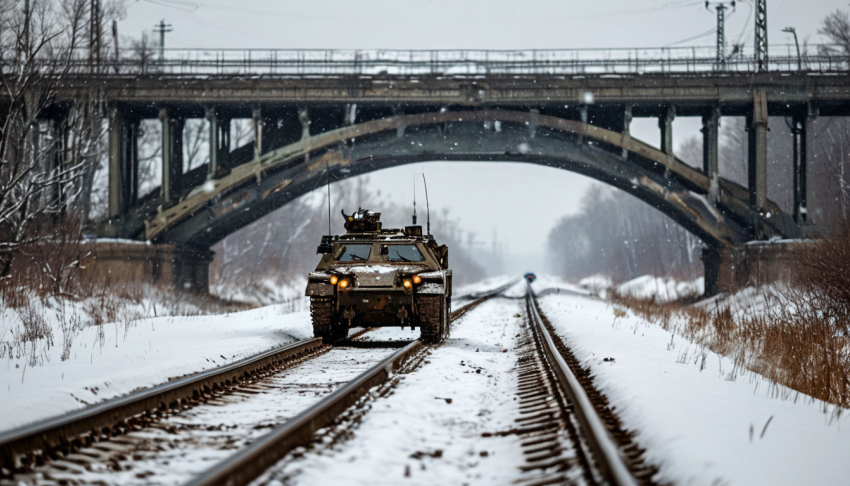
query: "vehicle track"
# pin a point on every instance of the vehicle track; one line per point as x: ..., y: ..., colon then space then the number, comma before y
x: 191, y: 432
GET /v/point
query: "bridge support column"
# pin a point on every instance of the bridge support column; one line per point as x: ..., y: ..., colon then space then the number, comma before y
x: 172, y: 156
x: 53, y: 161
x: 219, y: 143
x: 123, y: 163
x: 665, y: 123
x: 803, y: 133
x: 757, y: 160
x: 304, y: 119
x: 627, y: 128
x: 257, y: 120
x: 710, y: 137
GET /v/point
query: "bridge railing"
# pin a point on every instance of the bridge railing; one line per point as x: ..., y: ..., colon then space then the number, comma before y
x: 340, y: 62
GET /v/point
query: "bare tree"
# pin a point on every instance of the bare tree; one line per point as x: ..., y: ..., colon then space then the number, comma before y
x: 42, y: 159
x: 836, y: 27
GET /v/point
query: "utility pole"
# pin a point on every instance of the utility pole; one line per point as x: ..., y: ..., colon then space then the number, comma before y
x: 721, y: 27
x: 761, y: 36
x: 162, y: 28
x: 792, y: 30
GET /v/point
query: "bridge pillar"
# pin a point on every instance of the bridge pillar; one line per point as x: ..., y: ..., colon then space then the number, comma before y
x: 627, y: 129
x: 803, y: 133
x: 304, y: 119
x: 53, y: 161
x: 219, y: 143
x: 710, y: 137
x: 172, y: 156
x: 123, y: 163
x: 257, y: 125
x: 757, y: 159
x: 665, y: 123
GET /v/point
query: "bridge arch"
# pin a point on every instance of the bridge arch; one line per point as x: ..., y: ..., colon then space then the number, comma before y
x: 721, y: 217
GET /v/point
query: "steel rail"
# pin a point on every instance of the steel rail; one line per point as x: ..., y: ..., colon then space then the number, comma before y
x: 70, y: 428
x: 607, y: 454
x: 250, y: 462
x: 78, y: 427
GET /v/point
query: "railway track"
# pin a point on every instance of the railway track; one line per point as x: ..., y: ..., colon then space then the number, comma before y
x: 105, y: 437
x: 555, y: 403
x: 229, y: 426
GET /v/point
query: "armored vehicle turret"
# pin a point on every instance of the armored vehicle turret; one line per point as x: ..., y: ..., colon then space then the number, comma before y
x: 376, y: 277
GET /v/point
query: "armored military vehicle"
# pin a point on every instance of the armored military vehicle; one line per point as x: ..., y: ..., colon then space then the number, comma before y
x: 376, y: 277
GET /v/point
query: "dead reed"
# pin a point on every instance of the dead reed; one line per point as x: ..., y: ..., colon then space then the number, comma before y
x: 800, y: 340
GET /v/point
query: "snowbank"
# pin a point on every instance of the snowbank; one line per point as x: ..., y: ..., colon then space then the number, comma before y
x: 747, y: 302
x: 548, y: 282
x: 700, y: 421
x: 265, y: 291
x: 597, y: 284
x: 663, y: 289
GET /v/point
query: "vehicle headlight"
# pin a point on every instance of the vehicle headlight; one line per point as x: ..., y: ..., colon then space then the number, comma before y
x: 334, y: 279
x: 407, y: 284
x: 417, y: 279
x: 343, y: 284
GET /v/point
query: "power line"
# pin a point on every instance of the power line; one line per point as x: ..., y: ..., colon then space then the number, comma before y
x: 698, y: 36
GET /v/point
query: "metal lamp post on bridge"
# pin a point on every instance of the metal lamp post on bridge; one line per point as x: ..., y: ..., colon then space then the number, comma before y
x: 793, y: 31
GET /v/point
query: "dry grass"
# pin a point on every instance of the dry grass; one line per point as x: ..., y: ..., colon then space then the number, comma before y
x: 47, y: 293
x: 800, y: 341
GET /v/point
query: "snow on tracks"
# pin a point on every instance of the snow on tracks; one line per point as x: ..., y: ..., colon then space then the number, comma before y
x: 429, y: 430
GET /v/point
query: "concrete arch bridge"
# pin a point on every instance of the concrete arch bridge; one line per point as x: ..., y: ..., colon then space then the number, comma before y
x: 716, y: 210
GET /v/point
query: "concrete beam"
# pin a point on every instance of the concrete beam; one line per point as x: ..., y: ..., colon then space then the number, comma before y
x: 785, y: 91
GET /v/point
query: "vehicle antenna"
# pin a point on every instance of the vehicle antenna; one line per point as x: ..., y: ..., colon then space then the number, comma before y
x: 427, y: 205
x: 328, y: 171
x: 414, y: 199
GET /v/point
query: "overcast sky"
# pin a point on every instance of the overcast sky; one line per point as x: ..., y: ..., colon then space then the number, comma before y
x: 523, y: 201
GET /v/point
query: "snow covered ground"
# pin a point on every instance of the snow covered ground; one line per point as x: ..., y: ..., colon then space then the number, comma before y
x: 699, y: 421
x: 181, y: 446
x: 143, y: 353
x: 114, y: 359
x: 464, y: 294
x: 266, y: 291
x: 663, y: 289
x: 429, y: 430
